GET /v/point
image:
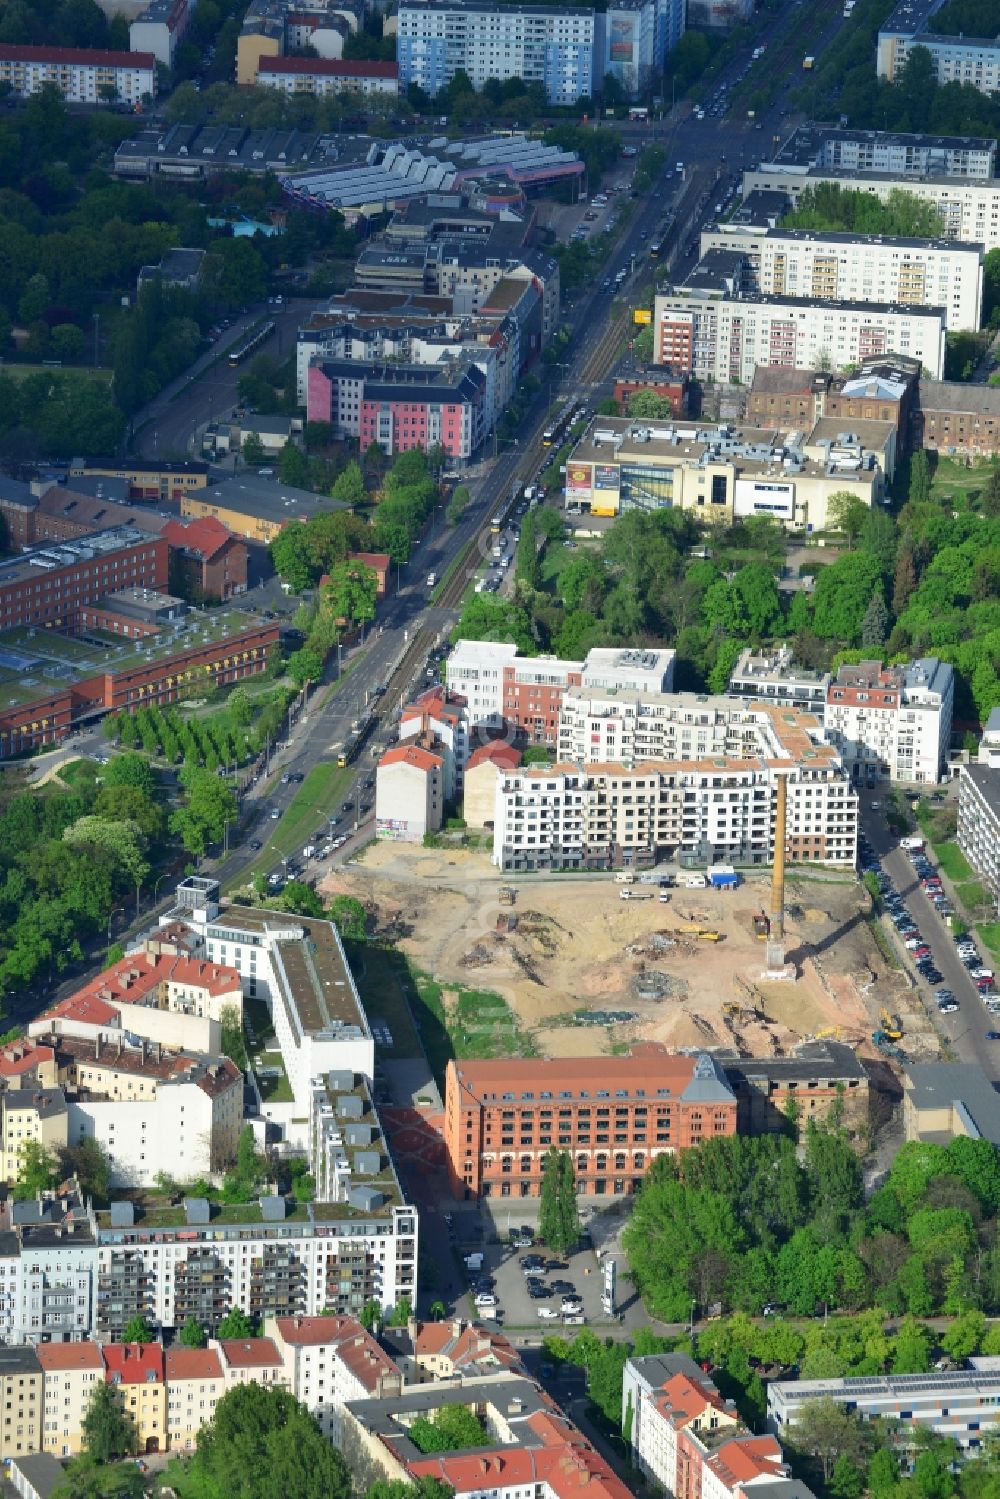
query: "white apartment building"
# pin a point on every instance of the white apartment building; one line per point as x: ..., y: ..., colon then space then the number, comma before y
x: 956, y: 59
x: 892, y: 723
x: 48, y: 1271
x: 969, y: 209
x: 716, y: 333
x: 297, y: 966
x: 324, y: 76
x: 989, y: 745
x: 837, y: 267
x: 82, y: 75
x: 409, y: 793
x: 71, y: 1371
x: 899, y: 153
x: 195, y: 1385
x: 328, y: 1361
x: 772, y: 676
x: 695, y: 811
x: 553, y: 46
x: 499, y: 686
x: 979, y: 823
x: 961, y: 1404
x: 159, y: 28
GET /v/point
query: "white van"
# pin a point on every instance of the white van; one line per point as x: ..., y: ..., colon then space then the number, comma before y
x: 624, y: 877
x: 692, y: 882
x: 431, y: 579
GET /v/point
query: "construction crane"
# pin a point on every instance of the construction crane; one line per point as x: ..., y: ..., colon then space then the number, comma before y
x: 776, y: 935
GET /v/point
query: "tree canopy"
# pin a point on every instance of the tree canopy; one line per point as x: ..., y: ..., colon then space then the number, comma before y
x: 263, y: 1444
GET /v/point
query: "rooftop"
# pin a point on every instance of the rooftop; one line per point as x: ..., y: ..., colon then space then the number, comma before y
x: 812, y: 1060
x: 69, y: 1357
x: 134, y: 1363
x: 328, y: 67
x: 250, y: 1353
x: 81, y: 57
x: 266, y: 499
x: 987, y: 782
x: 53, y: 556
x: 962, y: 1087
x: 193, y: 1363
x: 649, y: 1071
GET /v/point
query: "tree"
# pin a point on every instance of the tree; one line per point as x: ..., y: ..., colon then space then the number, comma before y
x: 883, y: 1474
x: 875, y: 624
x: 558, y: 1218
x: 304, y: 666
x: 89, y: 1162
x: 920, y: 477
x: 351, y: 592
x: 123, y: 839
x: 262, y: 1444
x: 425, y: 1487
x: 68, y: 341
x: 232, y: 1043
x: 457, y: 505
x: 210, y: 806
x: 138, y: 1330
x: 236, y: 1324
x: 293, y: 466
x: 130, y: 769
x: 905, y: 579
x: 253, y: 449
x: 647, y: 403
x: 349, y: 486
x: 824, y: 1430
x: 86, y: 1479
x: 39, y: 1171
x: 846, y: 512
x: 192, y: 1334
x: 450, y: 1428
x: 349, y: 917
x: 108, y: 1430
x: 302, y: 900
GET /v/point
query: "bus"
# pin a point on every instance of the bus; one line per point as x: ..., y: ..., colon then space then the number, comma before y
x: 351, y: 749
x: 556, y: 430
x: 251, y: 344
x: 658, y: 246
x: 637, y: 113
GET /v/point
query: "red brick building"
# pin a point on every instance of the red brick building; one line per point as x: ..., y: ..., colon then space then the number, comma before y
x: 614, y: 1115
x: 673, y: 387
x: 46, y: 720
x: 47, y: 588
x: 211, y: 560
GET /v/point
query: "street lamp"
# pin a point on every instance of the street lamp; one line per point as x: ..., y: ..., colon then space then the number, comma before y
x: 115, y: 911
x: 691, y: 1321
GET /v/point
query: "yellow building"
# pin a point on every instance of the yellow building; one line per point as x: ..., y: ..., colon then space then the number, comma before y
x: 71, y: 1372
x: 148, y: 480
x: 252, y: 46
x: 196, y: 1382
x: 20, y: 1402
x: 38, y: 1115
x: 253, y: 508
x: 136, y: 1371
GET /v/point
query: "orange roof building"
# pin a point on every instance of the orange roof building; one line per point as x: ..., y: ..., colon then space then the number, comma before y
x: 409, y: 793
x: 195, y: 1385
x: 137, y: 1371
x: 70, y: 1372
x: 500, y: 1118
x: 329, y: 1360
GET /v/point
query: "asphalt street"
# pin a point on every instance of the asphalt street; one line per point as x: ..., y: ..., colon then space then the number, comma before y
x: 966, y: 1029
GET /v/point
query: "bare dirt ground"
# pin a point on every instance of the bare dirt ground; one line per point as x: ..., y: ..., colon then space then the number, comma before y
x: 586, y: 972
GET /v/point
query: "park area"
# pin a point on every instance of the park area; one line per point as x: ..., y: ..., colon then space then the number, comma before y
x: 579, y: 971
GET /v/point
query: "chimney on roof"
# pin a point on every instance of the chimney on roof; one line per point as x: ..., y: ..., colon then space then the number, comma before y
x: 456, y: 1328
x: 97, y: 1047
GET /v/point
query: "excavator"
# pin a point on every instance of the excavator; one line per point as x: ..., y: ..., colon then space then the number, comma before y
x: 892, y: 1026
x: 762, y: 926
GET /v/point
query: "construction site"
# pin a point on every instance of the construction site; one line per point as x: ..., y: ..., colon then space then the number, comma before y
x: 587, y: 967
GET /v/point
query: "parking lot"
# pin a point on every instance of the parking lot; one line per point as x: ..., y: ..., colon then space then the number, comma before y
x: 577, y: 1275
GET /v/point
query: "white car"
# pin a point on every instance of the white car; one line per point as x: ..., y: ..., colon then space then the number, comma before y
x: 548, y: 1314
x: 570, y: 1305
x: 486, y: 1301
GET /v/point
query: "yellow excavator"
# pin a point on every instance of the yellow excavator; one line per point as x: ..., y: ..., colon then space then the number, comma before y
x: 892, y: 1026
x: 762, y: 926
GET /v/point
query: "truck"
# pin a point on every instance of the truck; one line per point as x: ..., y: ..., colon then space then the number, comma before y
x: 530, y: 490
x: 808, y: 63
x: 912, y: 845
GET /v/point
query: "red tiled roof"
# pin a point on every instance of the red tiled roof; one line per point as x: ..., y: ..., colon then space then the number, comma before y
x: 84, y: 56
x: 250, y: 1353
x: 746, y: 1458
x: 206, y: 536
x: 685, y: 1399
x: 412, y: 754
x: 471, y: 1344
x: 567, y: 1467
x: 193, y: 1363
x: 355, y: 1347
x: 58, y: 1357
x: 132, y: 978
x: 23, y: 1056
x: 498, y: 753
x: 328, y: 67
x: 134, y: 1363
x: 377, y: 560
x: 83, y: 1007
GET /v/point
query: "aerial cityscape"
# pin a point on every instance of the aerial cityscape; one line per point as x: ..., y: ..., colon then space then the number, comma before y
x: 500, y: 749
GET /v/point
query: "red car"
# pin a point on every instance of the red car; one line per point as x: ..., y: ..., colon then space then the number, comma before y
x: 921, y: 952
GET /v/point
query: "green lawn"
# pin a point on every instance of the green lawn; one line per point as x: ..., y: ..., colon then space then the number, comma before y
x: 22, y: 371
x: 951, y: 476
x: 384, y: 983
x: 317, y: 797
x: 953, y: 861
x: 466, y: 1023
x: 989, y: 932
x: 973, y: 897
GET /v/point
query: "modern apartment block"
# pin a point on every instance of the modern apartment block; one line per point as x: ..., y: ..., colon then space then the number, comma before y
x: 500, y: 687
x: 615, y: 1115
x: 553, y: 46
x: 894, y: 722
x: 979, y: 823
x: 956, y: 59
x: 403, y: 407
x: 899, y: 154
x: 633, y: 37
x: 962, y: 1405
x: 327, y: 75
x: 771, y: 675
x: 839, y: 267
x: 722, y: 472
x: 714, y: 802
x: 686, y: 1438
x: 969, y: 208
x: 708, y: 328
x: 82, y: 75
x: 296, y: 964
